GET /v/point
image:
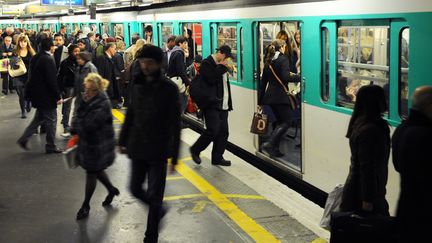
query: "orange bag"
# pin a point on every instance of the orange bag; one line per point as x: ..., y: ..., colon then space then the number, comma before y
x: 72, y: 141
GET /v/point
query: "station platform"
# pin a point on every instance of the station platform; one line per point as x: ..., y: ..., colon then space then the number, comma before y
x: 39, y: 197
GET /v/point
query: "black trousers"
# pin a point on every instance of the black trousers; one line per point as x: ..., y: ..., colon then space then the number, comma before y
x: 216, y: 131
x: 7, y: 82
x: 155, y: 172
x: 47, y: 117
x: 281, y: 112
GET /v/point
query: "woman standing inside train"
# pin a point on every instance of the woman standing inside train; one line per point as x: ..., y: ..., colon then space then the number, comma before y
x: 283, y: 35
x: 369, y: 140
x: 272, y: 92
x: 94, y: 127
x: 23, y: 51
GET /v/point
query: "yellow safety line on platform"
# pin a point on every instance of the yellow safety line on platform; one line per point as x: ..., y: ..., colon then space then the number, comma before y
x: 171, y: 178
x: 118, y: 115
x: 172, y: 198
x: 319, y: 240
x: 252, y: 228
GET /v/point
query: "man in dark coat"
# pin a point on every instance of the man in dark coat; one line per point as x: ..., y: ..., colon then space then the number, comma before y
x: 6, y: 51
x: 106, y: 68
x: 151, y: 133
x: 215, y: 109
x: 61, y: 53
x: 412, y: 142
x: 42, y: 90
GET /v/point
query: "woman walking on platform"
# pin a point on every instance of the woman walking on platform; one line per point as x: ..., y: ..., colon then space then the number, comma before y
x: 94, y: 127
x: 23, y: 51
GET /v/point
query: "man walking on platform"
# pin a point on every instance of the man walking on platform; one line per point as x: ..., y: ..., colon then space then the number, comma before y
x: 214, y: 72
x: 151, y: 134
x: 42, y: 90
x: 411, y: 144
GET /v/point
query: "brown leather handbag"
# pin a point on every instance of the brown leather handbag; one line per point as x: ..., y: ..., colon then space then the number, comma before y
x: 259, y: 123
x: 291, y: 97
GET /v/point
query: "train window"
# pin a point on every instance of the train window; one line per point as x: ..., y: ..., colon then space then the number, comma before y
x: 118, y: 30
x: 227, y: 35
x: 325, y: 83
x: 241, y: 54
x: 147, y: 33
x: 363, y: 58
x: 167, y: 31
x: 196, y: 30
x: 403, y: 72
x: 94, y: 28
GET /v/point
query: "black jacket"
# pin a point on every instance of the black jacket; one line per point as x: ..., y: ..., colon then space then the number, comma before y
x: 275, y: 93
x: 66, y: 74
x: 106, y: 69
x: 4, y: 49
x: 367, y: 179
x: 81, y: 73
x: 42, y: 88
x: 412, y: 143
x: 212, y: 74
x: 151, y: 130
x: 177, y: 65
x: 94, y: 126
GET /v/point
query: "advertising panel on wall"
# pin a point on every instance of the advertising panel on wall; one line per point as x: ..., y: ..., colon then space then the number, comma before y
x: 63, y: 2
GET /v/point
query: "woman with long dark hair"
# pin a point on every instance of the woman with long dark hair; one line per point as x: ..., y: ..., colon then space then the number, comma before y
x: 24, y: 51
x: 277, y: 75
x: 369, y: 140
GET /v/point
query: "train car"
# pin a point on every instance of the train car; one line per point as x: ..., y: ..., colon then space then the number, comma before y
x: 341, y: 46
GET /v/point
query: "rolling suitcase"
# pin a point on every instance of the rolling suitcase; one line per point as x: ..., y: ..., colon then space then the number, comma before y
x: 349, y: 227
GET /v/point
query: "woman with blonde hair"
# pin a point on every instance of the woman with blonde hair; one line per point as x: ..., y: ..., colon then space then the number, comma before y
x: 93, y: 125
x: 23, y: 51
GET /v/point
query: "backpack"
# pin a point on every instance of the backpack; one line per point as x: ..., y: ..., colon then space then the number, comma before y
x: 197, y: 91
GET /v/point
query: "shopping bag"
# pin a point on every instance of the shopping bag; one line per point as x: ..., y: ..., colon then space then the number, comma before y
x: 259, y: 123
x: 179, y: 82
x: 70, y: 157
x: 4, y: 65
x: 332, y: 205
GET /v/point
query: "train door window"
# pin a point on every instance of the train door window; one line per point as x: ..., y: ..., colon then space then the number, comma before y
x: 167, y: 31
x: 363, y: 58
x: 147, y: 33
x: 193, y: 31
x: 282, y: 143
x: 94, y: 28
x: 403, y: 73
x: 118, y: 30
x: 227, y: 35
x: 325, y: 84
x: 105, y: 29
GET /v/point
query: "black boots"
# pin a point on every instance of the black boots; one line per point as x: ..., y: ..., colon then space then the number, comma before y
x: 271, y: 147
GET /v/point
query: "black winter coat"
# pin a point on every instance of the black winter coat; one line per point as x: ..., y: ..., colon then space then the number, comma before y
x: 212, y: 74
x: 151, y: 130
x: 412, y: 143
x: 275, y: 94
x: 80, y: 75
x: 42, y: 88
x: 106, y: 69
x: 367, y: 179
x: 94, y: 126
x: 66, y: 74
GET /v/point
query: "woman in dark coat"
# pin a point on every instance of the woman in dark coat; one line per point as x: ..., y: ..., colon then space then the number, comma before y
x: 24, y: 51
x: 369, y: 139
x: 94, y: 127
x: 275, y: 95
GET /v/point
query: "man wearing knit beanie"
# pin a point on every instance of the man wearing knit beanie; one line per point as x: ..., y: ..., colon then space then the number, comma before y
x: 151, y: 133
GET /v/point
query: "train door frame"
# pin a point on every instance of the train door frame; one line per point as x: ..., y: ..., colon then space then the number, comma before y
x: 295, y: 168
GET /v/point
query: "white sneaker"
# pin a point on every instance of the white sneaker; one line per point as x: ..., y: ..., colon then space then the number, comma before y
x: 66, y: 135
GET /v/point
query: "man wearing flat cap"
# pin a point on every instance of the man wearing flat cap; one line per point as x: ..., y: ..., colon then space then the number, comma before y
x: 214, y: 72
x: 151, y: 133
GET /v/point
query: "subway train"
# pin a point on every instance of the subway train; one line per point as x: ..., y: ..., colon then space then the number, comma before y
x: 340, y: 45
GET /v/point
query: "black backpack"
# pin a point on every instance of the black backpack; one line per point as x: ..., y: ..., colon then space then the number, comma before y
x: 197, y: 91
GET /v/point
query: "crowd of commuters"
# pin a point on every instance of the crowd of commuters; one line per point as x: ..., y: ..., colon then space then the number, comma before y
x: 57, y: 69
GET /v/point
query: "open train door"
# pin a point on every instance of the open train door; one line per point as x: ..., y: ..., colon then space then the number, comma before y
x: 288, y: 142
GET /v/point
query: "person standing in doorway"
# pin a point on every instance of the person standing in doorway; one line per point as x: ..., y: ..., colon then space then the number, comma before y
x: 214, y: 71
x: 151, y: 134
